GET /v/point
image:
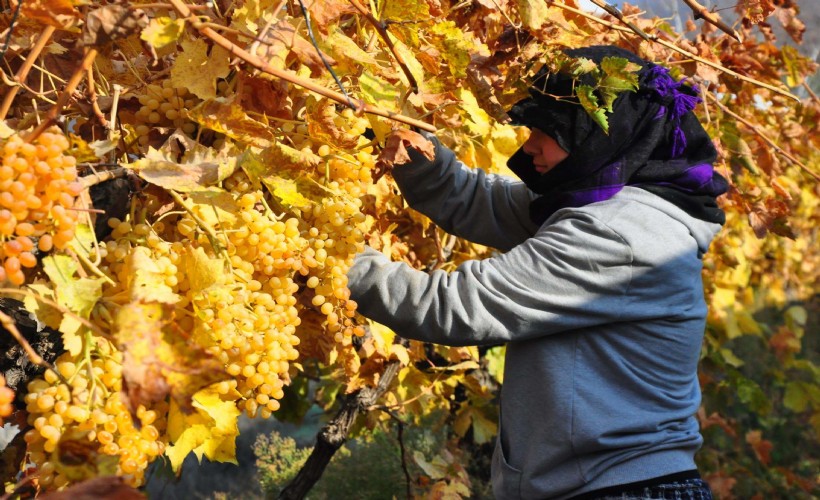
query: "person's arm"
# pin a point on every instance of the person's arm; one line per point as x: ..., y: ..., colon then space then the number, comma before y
x: 574, y: 273
x: 488, y: 209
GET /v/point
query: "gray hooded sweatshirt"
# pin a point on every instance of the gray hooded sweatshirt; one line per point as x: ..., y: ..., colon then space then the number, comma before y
x: 602, y: 311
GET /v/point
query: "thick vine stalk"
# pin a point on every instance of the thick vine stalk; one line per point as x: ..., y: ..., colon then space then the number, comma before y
x: 334, y: 434
x: 183, y: 10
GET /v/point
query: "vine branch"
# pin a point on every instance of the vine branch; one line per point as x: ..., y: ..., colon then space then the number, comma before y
x: 763, y: 136
x: 334, y: 434
x: 701, y: 12
x: 22, y: 73
x: 382, y: 30
x: 673, y: 47
x: 184, y: 11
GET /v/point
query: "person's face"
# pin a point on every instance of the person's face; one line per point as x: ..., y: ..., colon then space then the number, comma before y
x: 545, y: 151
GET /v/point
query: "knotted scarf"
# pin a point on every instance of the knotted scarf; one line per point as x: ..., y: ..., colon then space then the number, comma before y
x: 655, y: 142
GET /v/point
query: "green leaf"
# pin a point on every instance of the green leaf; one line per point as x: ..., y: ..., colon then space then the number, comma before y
x: 589, y: 101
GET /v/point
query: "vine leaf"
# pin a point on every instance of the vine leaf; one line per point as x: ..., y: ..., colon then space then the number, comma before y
x: 211, y: 430
x: 156, y: 361
x: 228, y: 117
x: 200, y: 167
x: 162, y: 31
x: 198, y: 70
x: 59, y: 13
x: 78, y: 295
x: 588, y: 99
x: 533, y: 14
x: 111, y: 22
x: 395, y: 151
x: 146, y: 281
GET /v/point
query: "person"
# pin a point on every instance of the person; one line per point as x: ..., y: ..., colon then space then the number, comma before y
x: 596, y: 290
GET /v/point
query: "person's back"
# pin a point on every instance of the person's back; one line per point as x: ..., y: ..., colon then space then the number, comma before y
x: 598, y: 297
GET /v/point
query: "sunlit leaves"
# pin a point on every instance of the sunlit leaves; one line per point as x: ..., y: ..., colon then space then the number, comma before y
x: 227, y: 117
x: 162, y: 31
x: 209, y: 431
x: 200, y: 167
x: 158, y: 361
x: 197, y: 68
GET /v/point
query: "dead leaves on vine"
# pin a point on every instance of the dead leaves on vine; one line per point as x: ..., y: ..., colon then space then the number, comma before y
x: 158, y: 360
x: 396, y: 150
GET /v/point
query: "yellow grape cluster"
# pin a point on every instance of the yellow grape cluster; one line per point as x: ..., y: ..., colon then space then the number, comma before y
x: 163, y: 106
x: 6, y: 399
x: 38, y: 189
x: 88, y: 414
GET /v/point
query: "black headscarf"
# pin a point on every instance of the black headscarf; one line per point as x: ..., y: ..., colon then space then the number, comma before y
x: 655, y: 142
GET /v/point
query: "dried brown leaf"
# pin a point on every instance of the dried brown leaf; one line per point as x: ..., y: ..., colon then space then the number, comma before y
x: 99, y: 488
x: 157, y: 362
x: 111, y: 22
x: 395, y: 151
x: 59, y: 13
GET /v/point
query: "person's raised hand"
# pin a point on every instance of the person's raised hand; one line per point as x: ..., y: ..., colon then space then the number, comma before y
x: 403, y: 146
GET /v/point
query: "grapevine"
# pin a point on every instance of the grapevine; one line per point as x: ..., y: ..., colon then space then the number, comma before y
x: 209, y: 278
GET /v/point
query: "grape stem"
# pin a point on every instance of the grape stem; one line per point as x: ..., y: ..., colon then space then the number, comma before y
x: 184, y: 11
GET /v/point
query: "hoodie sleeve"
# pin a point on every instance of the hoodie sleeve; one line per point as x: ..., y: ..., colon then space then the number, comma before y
x: 488, y: 209
x: 574, y: 273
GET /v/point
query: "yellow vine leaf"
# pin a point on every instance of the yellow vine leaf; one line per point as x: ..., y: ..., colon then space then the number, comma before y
x: 157, y: 360
x: 214, y: 206
x: 210, y: 431
x: 533, y: 14
x: 382, y: 337
x: 406, y: 10
x: 200, y: 168
x: 377, y: 91
x: 478, y: 121
x: 197, y: 70
x: 454, y: 47
x: 146, y: 279
x: 251, y: 13
x: 345, y: 50
x: 201, y: 270
x: 78, y: 295
x: 227, y: 117
x: 44, y: 312
x: 162, y: 31
x: 484, y: 429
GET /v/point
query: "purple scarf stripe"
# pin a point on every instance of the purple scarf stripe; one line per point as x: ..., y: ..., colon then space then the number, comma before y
x: 677, y: 99
x: 587, y: 196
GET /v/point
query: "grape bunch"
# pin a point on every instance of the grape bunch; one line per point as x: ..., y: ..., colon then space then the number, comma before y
x: 163, y: 106
x: 6, y: 399
x: 38, y: 190
x: 87, y: 416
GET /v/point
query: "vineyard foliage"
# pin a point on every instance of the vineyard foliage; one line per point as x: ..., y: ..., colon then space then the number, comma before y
x: 184, y: 186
